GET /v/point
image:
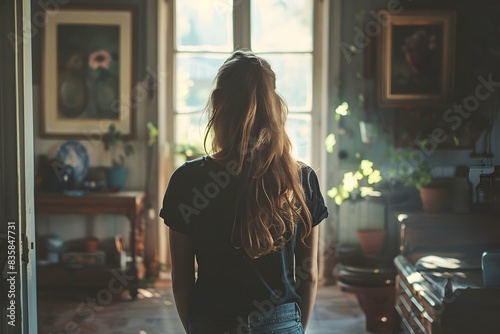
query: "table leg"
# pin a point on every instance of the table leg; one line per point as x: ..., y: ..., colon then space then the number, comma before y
x: 135, y: 282
x: 135, y: 231
x: 133, y: 270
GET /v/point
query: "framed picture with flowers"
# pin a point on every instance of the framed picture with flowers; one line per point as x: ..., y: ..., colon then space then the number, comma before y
x: 88, y: 66
x: 416, y: 58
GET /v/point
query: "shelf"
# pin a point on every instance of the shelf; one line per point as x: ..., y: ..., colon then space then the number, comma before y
x: 59, y: 276
x: 128, y: 204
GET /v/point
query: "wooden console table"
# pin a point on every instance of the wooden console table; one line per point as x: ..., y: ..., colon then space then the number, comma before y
x: 130, y: 204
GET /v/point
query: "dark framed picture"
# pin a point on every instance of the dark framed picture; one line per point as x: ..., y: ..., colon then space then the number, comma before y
x: 416, y: 58
x: 88, y: 60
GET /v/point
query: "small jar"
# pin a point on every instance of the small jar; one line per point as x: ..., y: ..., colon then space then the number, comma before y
x: 484, y: 190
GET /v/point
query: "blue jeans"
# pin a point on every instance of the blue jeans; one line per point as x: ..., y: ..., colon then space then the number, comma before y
x: 282, y: 319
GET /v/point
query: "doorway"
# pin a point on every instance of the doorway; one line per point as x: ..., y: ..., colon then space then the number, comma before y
x: 17, y: 258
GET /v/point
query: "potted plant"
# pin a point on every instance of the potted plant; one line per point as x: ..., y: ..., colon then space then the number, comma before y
x: 115, y: 141
x: 412, y: 169
x: 361, y: 181
x: 356, y: 185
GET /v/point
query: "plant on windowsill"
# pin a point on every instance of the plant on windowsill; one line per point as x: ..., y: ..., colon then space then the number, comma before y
x: 189, y: 151
x: 121, y: 148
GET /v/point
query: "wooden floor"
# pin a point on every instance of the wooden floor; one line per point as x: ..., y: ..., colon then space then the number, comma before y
x: 154, y: 312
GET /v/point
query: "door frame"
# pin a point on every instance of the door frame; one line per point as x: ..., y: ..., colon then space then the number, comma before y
x: 17, y: 157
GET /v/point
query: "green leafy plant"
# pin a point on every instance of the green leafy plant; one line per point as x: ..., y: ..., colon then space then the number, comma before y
x: 409, y: 167
x: 357, y: 184
x: 342, y: 110
x: 152, y: 133
x: 121, y: 146
x: 190, y: 151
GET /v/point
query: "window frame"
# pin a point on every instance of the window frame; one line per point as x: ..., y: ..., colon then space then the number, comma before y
x: 242, y: 39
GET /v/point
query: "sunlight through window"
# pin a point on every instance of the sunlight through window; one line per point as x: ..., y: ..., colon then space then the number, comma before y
x: 279, y: 31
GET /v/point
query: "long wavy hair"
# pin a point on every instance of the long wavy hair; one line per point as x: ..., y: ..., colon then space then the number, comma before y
x: 247, y: 121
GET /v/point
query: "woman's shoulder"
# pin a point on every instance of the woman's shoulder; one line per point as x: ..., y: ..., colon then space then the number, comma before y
x: 308, y: 177
x: 305, y: 169
x: 191, y: 165
x: 189, y: 168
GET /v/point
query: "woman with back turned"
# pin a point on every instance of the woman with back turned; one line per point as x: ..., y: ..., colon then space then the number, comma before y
x: 247, y: 213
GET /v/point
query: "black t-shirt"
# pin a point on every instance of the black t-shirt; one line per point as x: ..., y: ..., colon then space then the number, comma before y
x: 200, y: 201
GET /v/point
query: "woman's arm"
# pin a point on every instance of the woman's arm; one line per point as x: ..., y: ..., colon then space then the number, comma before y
x: 181, y: 250
x: 306, y: 273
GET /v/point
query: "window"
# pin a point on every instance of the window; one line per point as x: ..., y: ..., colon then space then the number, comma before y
x: 203, y: 40
x: 207, y: 31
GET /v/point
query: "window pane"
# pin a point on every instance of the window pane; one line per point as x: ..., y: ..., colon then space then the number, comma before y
x: 293, y: 79
x: 204, y: 25
x: 299, y: 130
x: 279, y: 25
x: 189, y: 134
x: 190, y: 129
x: 195, y: 75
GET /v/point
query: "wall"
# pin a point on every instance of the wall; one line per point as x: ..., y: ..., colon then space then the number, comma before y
x: 355, y: 15
x: 104, y: 226
x: 353, y: 81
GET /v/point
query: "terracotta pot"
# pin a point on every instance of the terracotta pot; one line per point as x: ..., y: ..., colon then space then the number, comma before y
x: 372, y: 240
x: 433, y: 199
x: 91, y: 244
x: 377, y: 304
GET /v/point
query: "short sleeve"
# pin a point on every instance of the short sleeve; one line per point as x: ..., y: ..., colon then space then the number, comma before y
x: 178, y: 209
x: 314, y: 199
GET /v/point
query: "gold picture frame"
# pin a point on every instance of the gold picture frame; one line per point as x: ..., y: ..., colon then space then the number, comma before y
x: 88, y: 72
x: 416, y: 58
